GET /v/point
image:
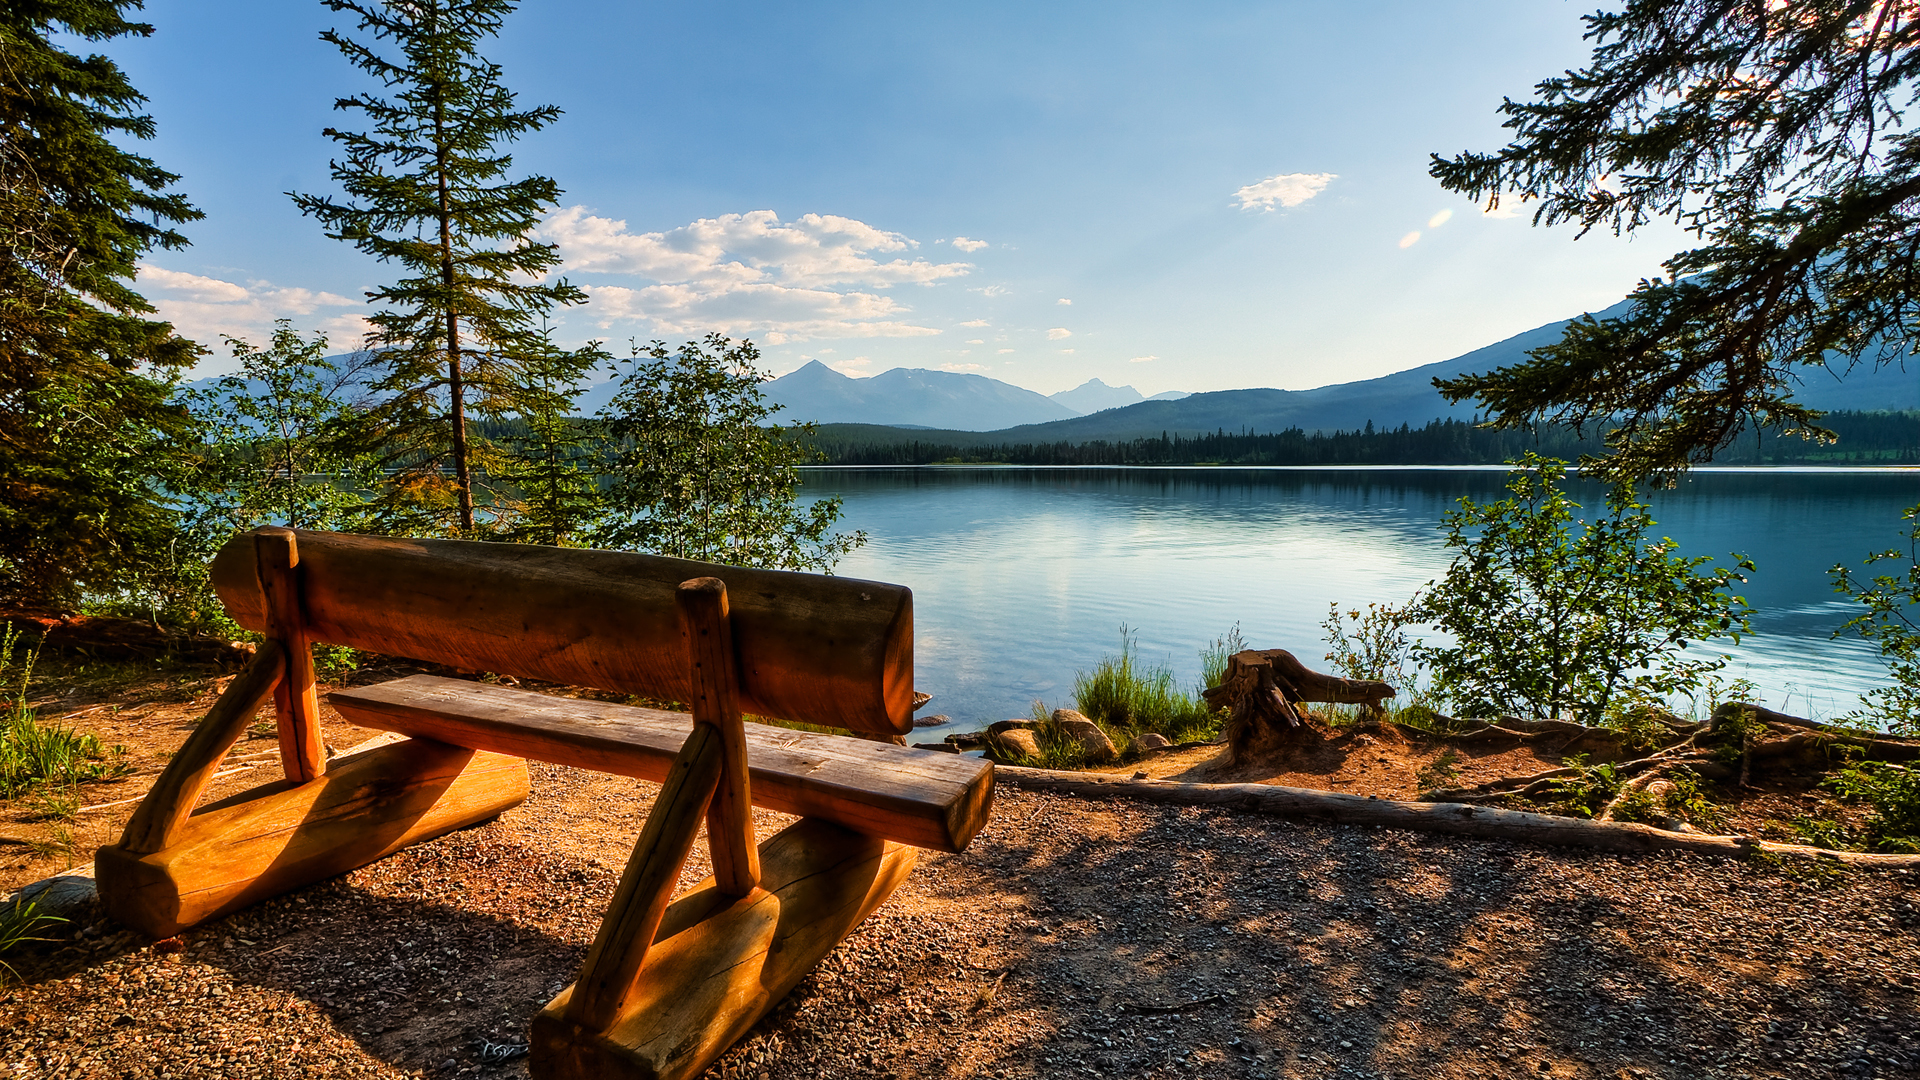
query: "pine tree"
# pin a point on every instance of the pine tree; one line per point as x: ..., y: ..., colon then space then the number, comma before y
x: 84, y: 373
x: 458, y: 335
x: 1772, y: 130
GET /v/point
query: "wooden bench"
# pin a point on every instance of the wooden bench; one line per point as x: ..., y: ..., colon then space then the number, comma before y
x: 666, y: 987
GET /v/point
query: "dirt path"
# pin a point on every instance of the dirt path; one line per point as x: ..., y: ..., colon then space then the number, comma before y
x: 1091, y: 939
x: 1059, y: 944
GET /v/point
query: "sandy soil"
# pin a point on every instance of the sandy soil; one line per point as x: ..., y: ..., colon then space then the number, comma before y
x: 1072, y: 938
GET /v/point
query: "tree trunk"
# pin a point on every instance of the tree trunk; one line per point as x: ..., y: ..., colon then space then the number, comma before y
x: 1261, y: 687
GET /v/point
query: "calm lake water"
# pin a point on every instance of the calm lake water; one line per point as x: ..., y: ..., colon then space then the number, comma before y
x: 1023, y: 576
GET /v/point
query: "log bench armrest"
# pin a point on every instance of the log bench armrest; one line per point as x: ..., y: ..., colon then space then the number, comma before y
x: 919, y: 797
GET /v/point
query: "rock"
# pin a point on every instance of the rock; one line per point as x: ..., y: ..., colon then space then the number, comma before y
x: 967, y: 740
x: 69, y: 896
x: 1010, y: 725
x: 932, y: 721
x: 1093, y: 741
x: 1151, y: 743
x: 1012, y: 744
x: 943, y: 747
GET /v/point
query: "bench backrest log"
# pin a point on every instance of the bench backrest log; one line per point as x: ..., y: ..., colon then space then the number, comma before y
x: 811, y: 648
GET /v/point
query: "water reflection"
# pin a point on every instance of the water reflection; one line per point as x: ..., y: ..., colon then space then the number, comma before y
x: 1023, y: 575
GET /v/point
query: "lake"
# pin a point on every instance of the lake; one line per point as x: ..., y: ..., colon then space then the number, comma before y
x: 1024, y: 576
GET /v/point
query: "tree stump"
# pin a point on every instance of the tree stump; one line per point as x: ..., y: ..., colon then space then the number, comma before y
x: 1262, y: 688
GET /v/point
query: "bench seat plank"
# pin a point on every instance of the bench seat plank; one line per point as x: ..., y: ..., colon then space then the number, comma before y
x: 919, y: 797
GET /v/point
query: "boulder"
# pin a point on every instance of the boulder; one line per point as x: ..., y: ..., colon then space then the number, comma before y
x: 932, y: 721
x: 1016, y: 724
x: 1151, y: 743
x: 1012, y: 744
x: 967, y: 740
x: 69, y: 897
x: 1093, y: 742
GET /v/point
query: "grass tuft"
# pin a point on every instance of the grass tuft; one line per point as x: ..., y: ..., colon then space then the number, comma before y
x: 1129, y: 698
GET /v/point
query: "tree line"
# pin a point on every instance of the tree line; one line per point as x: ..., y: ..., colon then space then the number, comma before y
x: 1862, y: 438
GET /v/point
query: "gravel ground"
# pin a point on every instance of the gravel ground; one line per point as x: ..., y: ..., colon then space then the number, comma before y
x: 1072, y: 938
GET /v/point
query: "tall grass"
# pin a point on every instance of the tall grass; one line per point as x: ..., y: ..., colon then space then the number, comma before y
x: 1130, y: 697
x: 17, y: 926
x: 33, y: 754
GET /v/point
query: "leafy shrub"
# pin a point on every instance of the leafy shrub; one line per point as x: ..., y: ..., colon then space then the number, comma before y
x: 1889, y: 623
x: 1682, y: 798
x: 1549, y: 620
x: 1129, y: 698
x: 1587, y: 790
x: 1374, y: 644
x: 1893, y: 794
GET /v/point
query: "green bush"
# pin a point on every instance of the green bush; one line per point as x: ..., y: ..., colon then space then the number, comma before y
x: 1555, y: 617
x: 1893, y: 794
x: 1588, y: 789
x: 1890, y: 624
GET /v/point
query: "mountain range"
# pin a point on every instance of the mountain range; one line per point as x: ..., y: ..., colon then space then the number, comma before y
x: 1404, y: 397
x: 918, y: 398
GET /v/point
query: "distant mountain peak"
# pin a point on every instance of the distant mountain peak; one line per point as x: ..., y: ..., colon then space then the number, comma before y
x: 920, y: 397
x: 1095, y: 396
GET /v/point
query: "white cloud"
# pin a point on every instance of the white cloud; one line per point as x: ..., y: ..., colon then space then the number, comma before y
x: 1439, y: 219
x: 1058, y: 333
x: 968, y: 246
x: 976, y: 322
x: 1064, y: 302
x: 1409, y: 240
x: 207, y: 308
x: 749, y: 274
x: 1286, y: 189
x: 1143, y: 360
x: 976, y: 341
x: 963, y: 367
x: 1003, y: 352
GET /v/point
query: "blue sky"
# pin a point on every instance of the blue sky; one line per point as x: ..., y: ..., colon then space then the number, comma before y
x: 1175, y: 196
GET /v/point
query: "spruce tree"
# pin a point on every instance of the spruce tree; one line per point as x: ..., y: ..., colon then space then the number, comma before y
x: 85, y: 374
x: 1772, y: 130
x: 426, y: 188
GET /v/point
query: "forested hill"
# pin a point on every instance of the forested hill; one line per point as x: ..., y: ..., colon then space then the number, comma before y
x: 1866, y: 438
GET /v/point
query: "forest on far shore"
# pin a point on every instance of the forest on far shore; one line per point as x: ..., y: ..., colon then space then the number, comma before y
x: 1865, y: 438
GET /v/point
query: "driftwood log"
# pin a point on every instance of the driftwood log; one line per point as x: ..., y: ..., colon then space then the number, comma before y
x: 1263, y: 689
x: 1456, y: 819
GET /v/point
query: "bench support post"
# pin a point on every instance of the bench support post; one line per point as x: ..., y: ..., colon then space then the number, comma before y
x: 716, y: 702
x: 296, y: 704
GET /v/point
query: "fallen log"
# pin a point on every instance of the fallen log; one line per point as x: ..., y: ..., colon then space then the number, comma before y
x: 1455, y: 819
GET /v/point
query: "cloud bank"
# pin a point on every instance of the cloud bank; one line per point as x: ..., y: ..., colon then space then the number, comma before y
x: 1286, y: 189
x: 207, y: 308
x: 750, y: 274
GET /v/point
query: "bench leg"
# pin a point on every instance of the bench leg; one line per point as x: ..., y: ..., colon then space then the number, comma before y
x: 280, y: 836
x: 719, y: 962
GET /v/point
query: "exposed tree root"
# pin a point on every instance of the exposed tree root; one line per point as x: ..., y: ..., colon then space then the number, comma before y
x: 1457, y: 819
